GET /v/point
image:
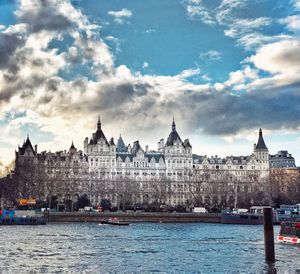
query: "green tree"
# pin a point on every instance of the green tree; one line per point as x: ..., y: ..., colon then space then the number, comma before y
x: 105, y: 204
x: 83, y: 201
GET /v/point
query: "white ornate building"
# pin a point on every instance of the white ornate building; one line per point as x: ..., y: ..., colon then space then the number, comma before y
x: 170, y: 175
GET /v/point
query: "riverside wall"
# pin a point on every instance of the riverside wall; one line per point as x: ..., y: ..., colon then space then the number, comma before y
x: 134, y: 217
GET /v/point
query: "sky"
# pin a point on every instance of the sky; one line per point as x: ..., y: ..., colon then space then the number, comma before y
x: 222, y: 68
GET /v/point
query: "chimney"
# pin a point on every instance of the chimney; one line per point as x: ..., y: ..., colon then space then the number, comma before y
x: 254, y: 147
x: 161, y: 143
x: 35, y: 149
x: 146, y: 148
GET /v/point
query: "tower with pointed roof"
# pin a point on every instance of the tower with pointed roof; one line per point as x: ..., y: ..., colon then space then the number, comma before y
x: 178, y: 154
x: 261, y: 151
x: 101, y: 153
x: 121, y: 148
x: 72, y: 149
x: 26, y: 153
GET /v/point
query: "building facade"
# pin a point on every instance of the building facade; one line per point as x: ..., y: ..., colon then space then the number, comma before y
x: 170, y: 175
x: 282, y: 159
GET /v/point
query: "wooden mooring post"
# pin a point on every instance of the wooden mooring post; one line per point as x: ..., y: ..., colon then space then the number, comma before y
x: 269, y: 235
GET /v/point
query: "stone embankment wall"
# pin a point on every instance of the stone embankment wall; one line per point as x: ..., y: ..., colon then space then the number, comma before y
x: 135, y: 217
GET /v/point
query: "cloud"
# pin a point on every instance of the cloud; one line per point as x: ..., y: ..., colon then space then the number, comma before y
x: 197, y: 10
x: 255, y: 40
x: 292, y: 22
x: 212, y: 55
x: 225, y: 15
x: 33, y: 86
x: 225, y: 9
x: 296, y: 4
x: 9, y: 43
x: 121, y: 15
x: 280, y: 57
x: 239, y: 27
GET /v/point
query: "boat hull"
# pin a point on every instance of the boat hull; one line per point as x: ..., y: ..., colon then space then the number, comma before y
x: 242, y: 219
x: 24, y: 221
x: 113, y: 223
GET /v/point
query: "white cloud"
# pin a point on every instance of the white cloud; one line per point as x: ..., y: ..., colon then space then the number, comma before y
x: 296, y: 4
x: 292, y: 22
x: 197, y: 10
x: 212, y: 55
x: 255, y: 40
x: 239, y: 27
x: 205, y: 77
x: 148, y: 31
x: 128, y: 101
x: 243, y: 30
x: 224, y: 10
x: 280, y: 57
x: 121, y: 15
x: 240, y: 77
x: 188, y: 73
x: 145, y: 65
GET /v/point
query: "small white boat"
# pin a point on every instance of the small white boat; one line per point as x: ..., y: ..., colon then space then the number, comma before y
x: 113, y: 221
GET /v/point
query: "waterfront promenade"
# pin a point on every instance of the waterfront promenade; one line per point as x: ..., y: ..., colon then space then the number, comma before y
x: 135, y: 217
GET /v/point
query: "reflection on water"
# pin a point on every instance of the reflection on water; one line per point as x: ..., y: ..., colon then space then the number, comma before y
x: 141, y: 248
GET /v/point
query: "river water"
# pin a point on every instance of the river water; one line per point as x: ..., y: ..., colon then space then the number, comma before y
x: 141, y: 248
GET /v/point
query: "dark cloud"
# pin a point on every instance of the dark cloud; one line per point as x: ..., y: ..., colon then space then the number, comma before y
x: 9, y: 43
x: 120, y: 95
x: 226, y: 114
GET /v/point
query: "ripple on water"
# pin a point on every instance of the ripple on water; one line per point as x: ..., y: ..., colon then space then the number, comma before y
x: 164, y: 248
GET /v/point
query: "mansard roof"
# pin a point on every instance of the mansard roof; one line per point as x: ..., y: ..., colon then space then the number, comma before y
x: 174, y: 136
x: 187, y: 143
x: 123, y: 156
x: 282, y: 155
x: 121, y: 145
x: 149, y: 156
x: 199, y: 158
x: 236, y: 160
x: 261, y: 143
x: 156, y: 157
x: 136, y: 147
x: 98, y: 134
x: 27, y: 144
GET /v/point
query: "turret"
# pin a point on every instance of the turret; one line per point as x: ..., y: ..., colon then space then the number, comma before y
x: 85, y: 145
x: 261, y: 151
x: 99, y: 123
x: 72, y: 149
x: 173, y: 137
x: 261, y: 146
x: 112, y: 145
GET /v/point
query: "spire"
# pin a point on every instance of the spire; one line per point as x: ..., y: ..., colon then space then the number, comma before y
x: 261, y: 143
x: 72, y: 145
x: 26, y: 144
x: 121, y: 145
x: 173, y: 135
x: 173, y: 125
x: 99, y: 123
